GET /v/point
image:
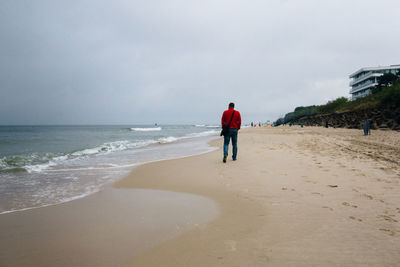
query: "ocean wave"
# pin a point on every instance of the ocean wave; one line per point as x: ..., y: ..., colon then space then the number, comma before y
x: 171, y: 139
x: 40, y: 167
x: 199, y: 125
x: 202, y: 134
x: 26, y: 163
x: 168, y: 139
x: 3, y: 164
x: 112, y: 147
x: 146, y: 129
x: 213, y: 126
x: 36, y: 163
x: 104, y: 148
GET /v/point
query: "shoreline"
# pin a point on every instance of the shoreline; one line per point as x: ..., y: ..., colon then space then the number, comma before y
x: 130, y: 166
x: 295, y: 196
x: 103, y: 229
x: 70, y: 224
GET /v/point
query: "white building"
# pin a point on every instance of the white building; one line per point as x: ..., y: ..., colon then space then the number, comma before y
x: 365, y: 79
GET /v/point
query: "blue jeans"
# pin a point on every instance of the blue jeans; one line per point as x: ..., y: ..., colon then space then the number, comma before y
x: 233, y: 133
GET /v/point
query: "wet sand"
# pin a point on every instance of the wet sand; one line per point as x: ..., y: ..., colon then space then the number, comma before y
x: 295, y: 197
x: 104, y: 229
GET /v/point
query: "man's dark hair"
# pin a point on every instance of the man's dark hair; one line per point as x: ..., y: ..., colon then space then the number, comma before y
x: 231, y: 105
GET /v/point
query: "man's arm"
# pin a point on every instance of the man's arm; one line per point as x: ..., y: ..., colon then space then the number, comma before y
x: 222, y: 119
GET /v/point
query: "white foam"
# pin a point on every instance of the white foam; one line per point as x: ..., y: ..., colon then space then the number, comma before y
x: 200, y: 125
x: 38, y: 167
x: 168, y: 139
x: 171, y: 139
x: 213, y: 126
x: 107, y: 167
x: 201, y: 134
x: 88, y: 151
x: 3, y: 164
x: 112, y: 147
x: 103, y: 149
x: 44, y: 166
x: 146, y: 129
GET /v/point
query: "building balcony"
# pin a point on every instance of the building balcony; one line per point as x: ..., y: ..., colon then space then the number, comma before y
x: 364, y: 87
x: 369, y: 74
x: 364, y: 83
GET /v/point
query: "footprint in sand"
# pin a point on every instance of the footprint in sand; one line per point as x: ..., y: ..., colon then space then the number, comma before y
x: 284, y: 188
x: 387, y: 231
x: 317, y: 193
x: 383, y: 180
x: 355, y: 219
x: 326, y: 207
x: 341, y: 165
x: 388, y: 218
x: 333, y: 185
x: 311, y: 182
x: 347, y: 204
x: 368, y: 196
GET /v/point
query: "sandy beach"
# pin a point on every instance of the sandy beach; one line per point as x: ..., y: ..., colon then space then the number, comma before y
x: 295, y: 197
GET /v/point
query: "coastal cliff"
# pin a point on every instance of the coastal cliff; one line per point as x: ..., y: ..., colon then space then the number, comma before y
x: 382, y: 107
x: 388, y: 118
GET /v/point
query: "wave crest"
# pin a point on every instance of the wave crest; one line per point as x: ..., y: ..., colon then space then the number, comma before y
x: 146, y: 129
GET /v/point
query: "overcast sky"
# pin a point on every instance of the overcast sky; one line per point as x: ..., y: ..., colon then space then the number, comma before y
x: 134, y: 62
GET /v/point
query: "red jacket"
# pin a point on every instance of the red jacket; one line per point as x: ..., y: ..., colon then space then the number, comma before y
x: 236, y: 120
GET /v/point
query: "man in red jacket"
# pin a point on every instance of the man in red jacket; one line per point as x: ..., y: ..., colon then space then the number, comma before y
x: 227, y: 116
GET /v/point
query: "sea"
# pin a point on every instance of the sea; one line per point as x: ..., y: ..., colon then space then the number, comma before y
x: 48, y: 165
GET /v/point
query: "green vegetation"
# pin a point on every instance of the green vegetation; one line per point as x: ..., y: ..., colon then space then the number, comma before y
x: 386, y: 94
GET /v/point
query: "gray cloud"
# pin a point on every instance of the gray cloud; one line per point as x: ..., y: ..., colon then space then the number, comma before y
x: 72, y: 62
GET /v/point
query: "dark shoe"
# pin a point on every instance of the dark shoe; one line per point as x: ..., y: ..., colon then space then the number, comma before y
x: 233, y: 158
x: 224, y: 159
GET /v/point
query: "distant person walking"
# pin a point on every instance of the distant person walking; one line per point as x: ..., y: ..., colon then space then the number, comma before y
x: 366, y: 126
x: 230, y: 121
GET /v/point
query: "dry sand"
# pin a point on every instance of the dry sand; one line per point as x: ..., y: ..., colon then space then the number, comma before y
x: 295, y: 197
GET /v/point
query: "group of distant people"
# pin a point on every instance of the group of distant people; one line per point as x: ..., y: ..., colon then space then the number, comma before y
x: 255, y: 124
